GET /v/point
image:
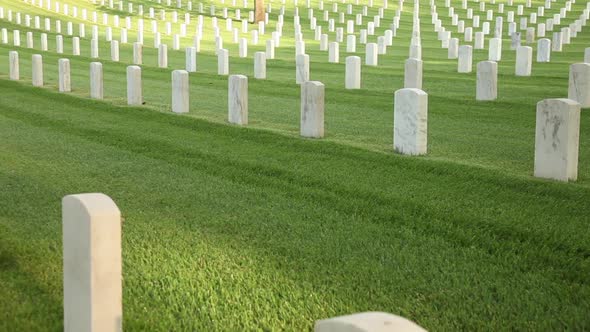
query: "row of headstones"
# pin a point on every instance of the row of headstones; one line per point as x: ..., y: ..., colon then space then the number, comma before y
x: 410, y: 108
x: 372, y: 50
x: 364, y: 11
x: 224, y: 15
x: 383, y: 41
x: 510, y: 15
x: 579, y: 77
x: 524, y: 54
x: 308, y: 4
x: 93, y: 273
x: 367, y: 31
x: 557, y: 122
x: 573, y: 28
x: 556, y: 20
x: 180, y: 85
x: 524, y: 57
x: 312, y: 95
x: 519, y: 8
x: 59, y: 44
x: 47, y: 4
x: 464, y: 55
x: 302, y: 65
x: 123, y: 31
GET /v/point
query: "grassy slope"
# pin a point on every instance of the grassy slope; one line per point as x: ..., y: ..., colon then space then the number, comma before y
x: 503, y: 138
x: 260, y: 229
x: 254, y: 229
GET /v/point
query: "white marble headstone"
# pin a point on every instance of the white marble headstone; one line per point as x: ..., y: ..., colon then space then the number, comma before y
x: 96, y: 81
x: 487, y: 81
x: 238, y: 99
x: 134, y: 86
x: 524, y: 57
x: 557, y: 139
x: 92, y: 263
x: 180, y: 91
x: 353, y: 72
x: 579, y: 83
x: 37, y: 64
x: 312, y: 109
x: 64, y: 80
x: 413, y: 73
x: 410, y: 121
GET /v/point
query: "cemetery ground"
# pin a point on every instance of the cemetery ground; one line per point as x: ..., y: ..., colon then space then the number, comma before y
x: 254, y: 228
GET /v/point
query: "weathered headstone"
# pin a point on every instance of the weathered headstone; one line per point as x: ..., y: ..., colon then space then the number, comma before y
x: 353, y: 72
x: 416, y: 51
x: 465, y: 60
x: 243, y: 47
x: 96, y: 81
x: 530, y: 35
x: 566, y: 35
x: 137, y: 53
x: 301, y: 68
x: 64, y: 75
x: 13, y: 66
x: 299, y: 47
x: 468, y: 35
x: 495, y: 49
x: 238, y: 99
x: 579, y: 84
x: 37, y: 70
x: 260, y: 65
x: 324, y: 42
x: 413, y: 73
x: 479, y: 41
x: 270, y: 49
x: 163, y: 56
x: 134, y: 86
x: 487, y: 81
x: 333, y: 53
x: 541, y: 30
x: 453, y: 50
x: 30, y: 42
x: 557, y: 139
x: 371, y: 56
x: 223, y: 62
x: 180, y: 91
x: 515, y: 41
x: 115, y: 50
x: 59, y: 44
x: 351, y: 44
x: 191, y: 59
x: 16, y: 38
x: 524, y: 59
x: 94, y: 48
x: 312, y: 109
x: 410, y: 121
x: 544, y: 50
x: 76, y: 46
x: 556, y: 43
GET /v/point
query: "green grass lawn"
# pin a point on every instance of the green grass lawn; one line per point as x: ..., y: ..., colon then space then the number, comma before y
x: 229, y: 228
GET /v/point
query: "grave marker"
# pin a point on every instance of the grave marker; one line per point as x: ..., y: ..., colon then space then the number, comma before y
x: 312, y: 109
x: 557, y: 139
